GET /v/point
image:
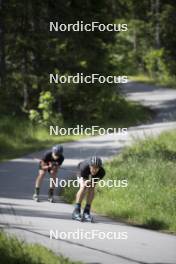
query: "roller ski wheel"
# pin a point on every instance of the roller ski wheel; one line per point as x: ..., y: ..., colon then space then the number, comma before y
x: 87, y: 218
x: 51, y: 199
x: 77, y: 216
x: 36, y: 197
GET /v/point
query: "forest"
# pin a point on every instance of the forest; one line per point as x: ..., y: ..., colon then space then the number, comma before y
x: 30, y: 51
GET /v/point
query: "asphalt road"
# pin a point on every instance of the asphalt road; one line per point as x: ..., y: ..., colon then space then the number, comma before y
x: 34, y: 222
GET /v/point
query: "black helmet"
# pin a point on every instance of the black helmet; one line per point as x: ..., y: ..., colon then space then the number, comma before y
x: 57, y: 149
x: 95, y: 161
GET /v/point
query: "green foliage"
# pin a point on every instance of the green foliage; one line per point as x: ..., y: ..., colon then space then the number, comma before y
x: 138, y: 51
x: 34, y: 116
x: 47, y: 115
x: 14, y: 251
x: 29, y: 53
x: 155, y: 65
x: 38, y: 52
x: 18, y: 136
x: 129, y: 48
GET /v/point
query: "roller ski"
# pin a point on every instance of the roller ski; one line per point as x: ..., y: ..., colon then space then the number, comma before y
x: 76, y: 216
x: 51, y: 195
x: 36, y: 197
x: 87, y: 218
x: 51, y: 199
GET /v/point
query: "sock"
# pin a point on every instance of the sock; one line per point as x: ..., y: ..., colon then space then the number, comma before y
x: 87, y: 209
x: 37, y: 190
x: 50, y: 192
x: 78, y: 207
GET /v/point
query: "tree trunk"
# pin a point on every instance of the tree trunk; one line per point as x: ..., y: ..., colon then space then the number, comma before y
x: 2, y: 45
x: 157, y: 27
x: 25, y: 60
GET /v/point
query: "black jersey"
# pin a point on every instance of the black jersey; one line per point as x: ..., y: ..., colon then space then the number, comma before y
x: 85, y: 171
x: 47, y: 158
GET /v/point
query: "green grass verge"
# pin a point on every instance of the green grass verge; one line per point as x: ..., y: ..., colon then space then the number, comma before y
x: 13, y: 251
x: 150, y: 197
x: 169, y: 82
x: 128, y: 114
x: 18, y: 136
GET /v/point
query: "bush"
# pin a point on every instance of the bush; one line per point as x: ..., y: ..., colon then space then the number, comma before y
x: 46, y: 115
x: 155, y: 64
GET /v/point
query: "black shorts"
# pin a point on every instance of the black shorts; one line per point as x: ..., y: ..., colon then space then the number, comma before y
x: 48, y: 170
x: 94, y: 178
x: 40, y: 168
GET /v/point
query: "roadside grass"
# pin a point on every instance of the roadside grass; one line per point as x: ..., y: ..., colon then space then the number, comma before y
x: 129, y: 114
x: 149, y: 200
x: 169, y: 82
x: 142, y: 78
x: 13, y: 251
x: 18, y: 136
